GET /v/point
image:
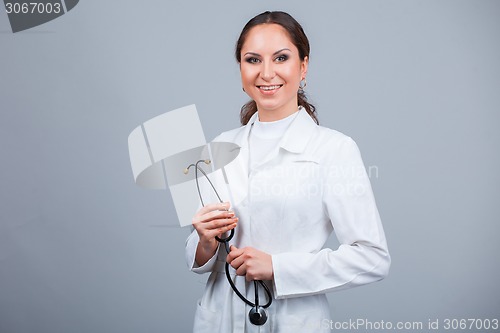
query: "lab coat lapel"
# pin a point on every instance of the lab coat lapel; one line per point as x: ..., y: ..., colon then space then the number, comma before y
x: 299, y: 133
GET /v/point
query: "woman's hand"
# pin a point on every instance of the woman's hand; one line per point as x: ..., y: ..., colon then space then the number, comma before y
x: 210, y: 221
x: 255, y: 264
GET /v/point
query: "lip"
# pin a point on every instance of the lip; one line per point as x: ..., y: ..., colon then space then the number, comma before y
x: 264, y: 89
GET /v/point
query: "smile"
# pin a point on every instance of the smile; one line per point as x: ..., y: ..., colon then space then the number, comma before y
x: 270, y: 88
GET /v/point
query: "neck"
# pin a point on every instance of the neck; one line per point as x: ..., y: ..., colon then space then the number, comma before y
x: 266, y: 115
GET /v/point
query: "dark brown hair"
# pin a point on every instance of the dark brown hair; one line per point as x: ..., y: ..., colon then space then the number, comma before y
x: 298, y: 38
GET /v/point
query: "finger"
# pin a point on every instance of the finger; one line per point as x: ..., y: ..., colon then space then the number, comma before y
x: 234, y: 253
x: 223, y: 227
x: 221, y: 230
x: 215, y: 227
x: 231, y: 255
x: 215, y: 223
x: 242, y: 270
x: 211, y: 214
x: 216, y: 214
x: 214, y: 206
x: 220, y: 223
x: 237, y: 262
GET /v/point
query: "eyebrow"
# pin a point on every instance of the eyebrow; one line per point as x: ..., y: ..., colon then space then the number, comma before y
x: 275, y: 53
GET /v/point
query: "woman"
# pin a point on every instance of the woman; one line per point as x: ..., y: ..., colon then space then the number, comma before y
x: 292, y: 184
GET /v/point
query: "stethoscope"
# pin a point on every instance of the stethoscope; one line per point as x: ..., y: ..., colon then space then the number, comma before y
x: 257, y: 314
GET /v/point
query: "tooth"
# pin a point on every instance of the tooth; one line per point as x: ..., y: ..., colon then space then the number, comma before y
x: 267, y: 88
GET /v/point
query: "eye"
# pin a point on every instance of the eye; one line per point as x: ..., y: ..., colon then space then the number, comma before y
x: 281, y: 58
x: 252, y: 60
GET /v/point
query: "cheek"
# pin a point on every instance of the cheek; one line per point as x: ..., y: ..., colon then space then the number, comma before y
x: 294, y: 69
x: 248, y: 74
x: 292, y: 74
x: 244, y: 77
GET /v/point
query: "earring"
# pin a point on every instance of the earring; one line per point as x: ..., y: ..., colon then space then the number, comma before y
x: 302, y: 84
x: 243, y: 89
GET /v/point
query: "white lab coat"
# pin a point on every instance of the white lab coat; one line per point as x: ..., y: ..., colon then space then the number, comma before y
x: 312, y: 184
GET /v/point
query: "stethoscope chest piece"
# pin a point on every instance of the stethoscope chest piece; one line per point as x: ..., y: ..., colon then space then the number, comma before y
x: 258, y: 315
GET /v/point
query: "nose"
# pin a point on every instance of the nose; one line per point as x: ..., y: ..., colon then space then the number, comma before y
x: 267, y: 73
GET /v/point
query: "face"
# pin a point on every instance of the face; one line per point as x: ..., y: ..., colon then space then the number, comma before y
x: 271, y: 71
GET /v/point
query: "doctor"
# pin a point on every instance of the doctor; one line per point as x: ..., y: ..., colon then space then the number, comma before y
x: 292, y: 184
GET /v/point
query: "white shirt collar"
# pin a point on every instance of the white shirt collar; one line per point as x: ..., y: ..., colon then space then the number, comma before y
x: 296, y: 136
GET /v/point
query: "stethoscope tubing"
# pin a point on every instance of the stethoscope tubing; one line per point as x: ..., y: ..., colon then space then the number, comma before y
x: 226, y: 240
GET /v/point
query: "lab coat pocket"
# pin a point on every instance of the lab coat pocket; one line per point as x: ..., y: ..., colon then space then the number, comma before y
x: 206, y: 321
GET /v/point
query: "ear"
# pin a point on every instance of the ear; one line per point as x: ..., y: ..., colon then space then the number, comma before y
x: 303, y: 66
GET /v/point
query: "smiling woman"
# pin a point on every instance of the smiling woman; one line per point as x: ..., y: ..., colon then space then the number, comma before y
x: 271, y: 71
x: 273, y: 53
x: 285, y: 201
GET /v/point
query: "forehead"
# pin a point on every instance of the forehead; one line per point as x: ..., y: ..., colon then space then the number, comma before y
x: 267, y: 38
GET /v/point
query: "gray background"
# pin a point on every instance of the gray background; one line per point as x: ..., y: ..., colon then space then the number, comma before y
x: 82, y: 249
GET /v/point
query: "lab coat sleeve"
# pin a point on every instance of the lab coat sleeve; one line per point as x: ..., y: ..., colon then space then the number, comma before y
x: 191, y: 245
x: 362, y: 256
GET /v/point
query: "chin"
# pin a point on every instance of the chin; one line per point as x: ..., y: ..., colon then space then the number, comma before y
x: 265, y: 109
x: 267, y: 106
